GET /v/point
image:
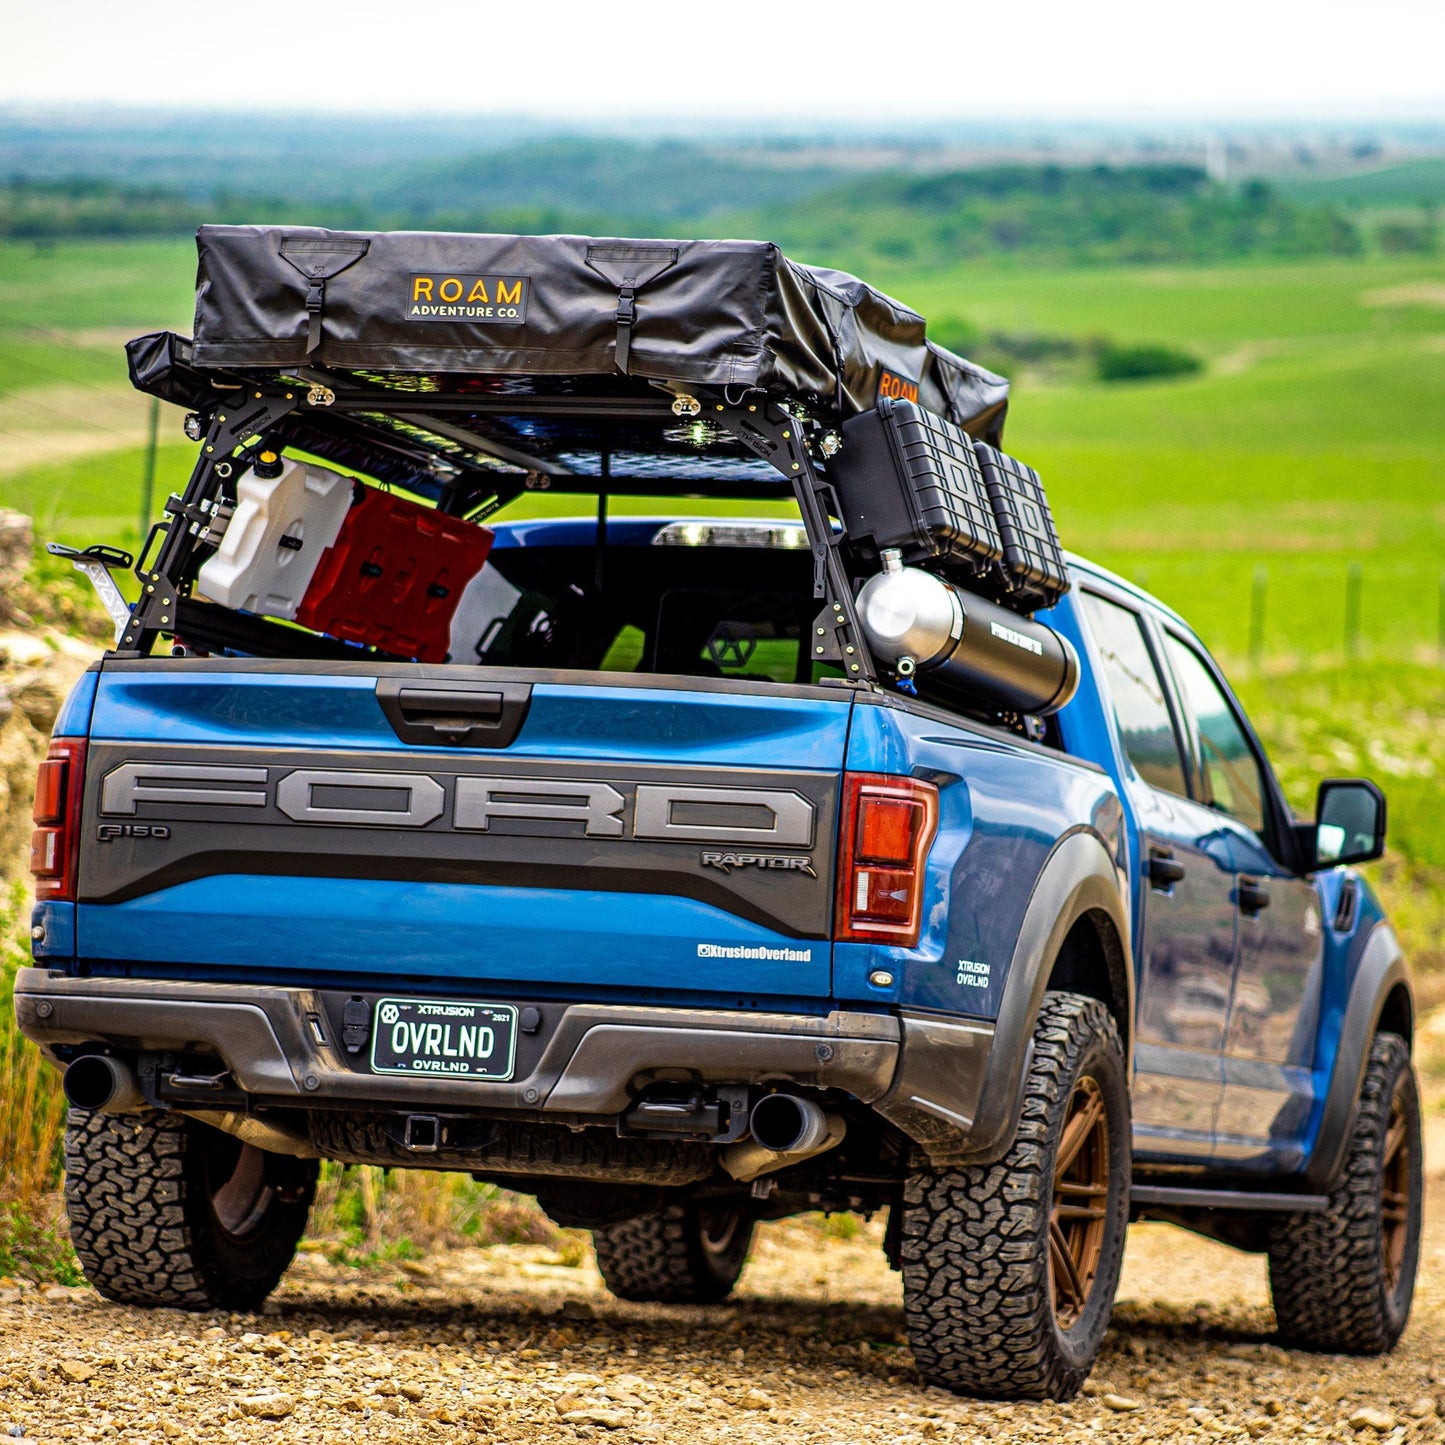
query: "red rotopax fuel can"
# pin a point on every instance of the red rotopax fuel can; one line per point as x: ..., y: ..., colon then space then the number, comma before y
x: 394, y: 575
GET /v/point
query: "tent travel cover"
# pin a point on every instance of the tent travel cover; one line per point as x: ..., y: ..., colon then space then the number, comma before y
x: 719, y: 313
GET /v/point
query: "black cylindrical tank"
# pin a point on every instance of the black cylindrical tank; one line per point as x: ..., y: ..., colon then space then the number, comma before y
x: 915, y: 621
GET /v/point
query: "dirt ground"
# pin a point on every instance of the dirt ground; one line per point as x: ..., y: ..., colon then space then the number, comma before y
x: 509, y: 1344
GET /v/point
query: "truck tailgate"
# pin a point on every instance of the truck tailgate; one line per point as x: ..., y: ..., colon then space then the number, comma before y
x: 351, y: 818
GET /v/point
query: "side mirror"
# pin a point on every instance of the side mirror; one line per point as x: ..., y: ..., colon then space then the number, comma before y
x: 1349, y: 822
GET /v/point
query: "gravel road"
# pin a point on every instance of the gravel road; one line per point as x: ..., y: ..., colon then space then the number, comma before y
x: 508, y: 1344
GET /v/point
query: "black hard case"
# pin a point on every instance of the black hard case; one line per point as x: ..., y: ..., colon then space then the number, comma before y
x: 909, y: 479
x: 1034, y: 571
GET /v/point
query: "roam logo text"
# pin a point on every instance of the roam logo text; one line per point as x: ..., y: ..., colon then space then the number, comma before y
x: 435, y: 296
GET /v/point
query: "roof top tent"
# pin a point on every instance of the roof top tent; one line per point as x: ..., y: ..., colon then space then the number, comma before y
x: 471, y: 369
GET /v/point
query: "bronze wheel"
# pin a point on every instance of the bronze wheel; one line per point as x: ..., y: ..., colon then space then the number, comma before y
x: 1343, y: 1278
x: 1009, y: 1268
x: 1079, y: 1220
x: 1395, y: 1178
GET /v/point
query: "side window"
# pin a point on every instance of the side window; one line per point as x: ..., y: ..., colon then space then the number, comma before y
x: 1146, y: 727
x: 1232, y: 778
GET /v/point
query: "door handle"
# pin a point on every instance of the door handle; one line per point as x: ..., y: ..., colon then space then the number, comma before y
x: 1165, y: 870
x: 1251, y: 895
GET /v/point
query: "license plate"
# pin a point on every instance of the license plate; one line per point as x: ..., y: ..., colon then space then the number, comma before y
x: 437, y: 1037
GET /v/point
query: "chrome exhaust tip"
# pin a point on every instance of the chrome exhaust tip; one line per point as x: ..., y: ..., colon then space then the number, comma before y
x: 98, y: 1083
x: 786, y: 1129
x: 787, y: 1124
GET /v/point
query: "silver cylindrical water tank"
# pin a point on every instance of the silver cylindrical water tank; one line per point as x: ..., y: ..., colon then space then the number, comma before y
x: 914, y: 620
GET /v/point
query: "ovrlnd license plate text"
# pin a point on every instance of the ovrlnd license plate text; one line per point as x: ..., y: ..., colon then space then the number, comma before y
x: 434, y: 1036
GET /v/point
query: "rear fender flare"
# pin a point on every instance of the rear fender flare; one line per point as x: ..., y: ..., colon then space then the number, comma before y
x: 1381, y: 970
x: 1079, y: 877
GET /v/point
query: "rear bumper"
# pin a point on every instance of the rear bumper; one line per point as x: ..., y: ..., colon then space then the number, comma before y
x: 280, y: 1046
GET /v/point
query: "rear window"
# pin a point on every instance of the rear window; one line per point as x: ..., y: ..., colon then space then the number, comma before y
x: 1141, y: 711
x: 742, y: 612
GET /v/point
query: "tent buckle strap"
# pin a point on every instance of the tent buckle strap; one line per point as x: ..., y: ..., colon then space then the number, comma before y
x: 626, y: 315
x: 315, y: 300
x: 629, y: 268
x: 318, y: 259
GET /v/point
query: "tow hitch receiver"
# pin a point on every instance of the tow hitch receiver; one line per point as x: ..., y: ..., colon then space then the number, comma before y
x: 422, y: 1133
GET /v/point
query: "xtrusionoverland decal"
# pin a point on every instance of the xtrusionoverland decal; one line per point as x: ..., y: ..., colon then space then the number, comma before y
x: 763, y: 951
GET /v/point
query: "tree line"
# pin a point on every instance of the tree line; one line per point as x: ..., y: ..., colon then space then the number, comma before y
x: 1044, y: 213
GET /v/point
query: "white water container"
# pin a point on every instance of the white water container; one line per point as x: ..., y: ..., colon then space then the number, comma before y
x: 281, y: 527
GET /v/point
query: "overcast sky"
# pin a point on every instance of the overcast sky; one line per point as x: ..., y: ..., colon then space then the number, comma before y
x: 924, y: 59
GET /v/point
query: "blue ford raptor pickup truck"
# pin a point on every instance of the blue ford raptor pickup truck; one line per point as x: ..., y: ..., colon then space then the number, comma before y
x: 686, y: 871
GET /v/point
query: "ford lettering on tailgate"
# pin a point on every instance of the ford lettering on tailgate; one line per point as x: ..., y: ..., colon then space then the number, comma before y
x: 753, y: 842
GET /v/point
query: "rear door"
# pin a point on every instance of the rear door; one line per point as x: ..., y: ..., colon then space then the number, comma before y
x: 1275, y: 993
x: 1185, y: 887
x: 584, y: 832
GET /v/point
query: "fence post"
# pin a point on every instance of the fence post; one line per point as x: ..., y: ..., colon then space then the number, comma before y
x: 1441, y: 627
x: 148, y: 470
x: 1256, y: 614
x: 1354, y: 579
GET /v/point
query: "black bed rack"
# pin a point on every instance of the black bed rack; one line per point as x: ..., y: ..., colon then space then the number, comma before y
x: 473, y: 447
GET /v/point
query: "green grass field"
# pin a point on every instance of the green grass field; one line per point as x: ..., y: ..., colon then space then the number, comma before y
x: 1314, y: 439
x: 83, y: 285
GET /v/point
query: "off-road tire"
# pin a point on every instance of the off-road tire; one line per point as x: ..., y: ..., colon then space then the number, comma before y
x: 684, y: 1254
x: 1329, y: 1272
x: 149, y: 1207
x: 978, y: 1283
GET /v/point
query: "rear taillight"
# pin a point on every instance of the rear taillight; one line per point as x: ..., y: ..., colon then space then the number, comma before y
x: 53, y: 844
x: 888, y: 827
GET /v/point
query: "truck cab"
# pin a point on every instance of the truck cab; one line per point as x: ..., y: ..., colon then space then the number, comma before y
x: 1247, y: 938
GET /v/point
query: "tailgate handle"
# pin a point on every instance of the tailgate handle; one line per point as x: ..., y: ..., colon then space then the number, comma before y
x: 455, y: 714
x: 449, y: 711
